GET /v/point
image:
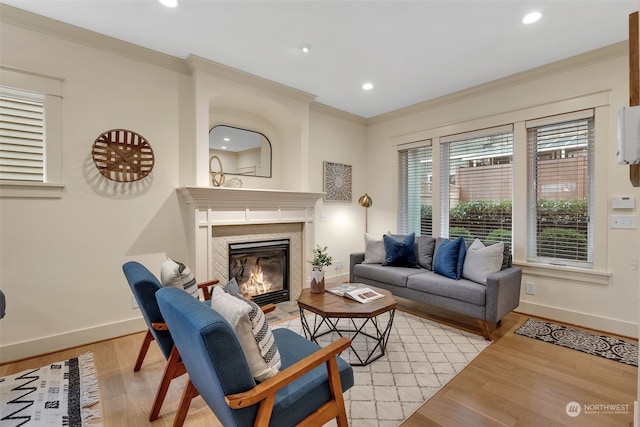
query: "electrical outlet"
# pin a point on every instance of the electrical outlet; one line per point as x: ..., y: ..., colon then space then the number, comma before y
x: 134, y: 303
x: 338, y: 265
x: 530, y: 288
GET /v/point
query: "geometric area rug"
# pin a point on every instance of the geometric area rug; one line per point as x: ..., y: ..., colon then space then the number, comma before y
x: 420, y: 358
x: 598, y: 345
x: 59, y: 394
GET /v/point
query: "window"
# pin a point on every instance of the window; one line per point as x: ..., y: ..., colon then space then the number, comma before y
x: 560, y: 189
x: 476, y: 184
x: 415, y: 190
x: 21, y: 136
x: 30, y: 134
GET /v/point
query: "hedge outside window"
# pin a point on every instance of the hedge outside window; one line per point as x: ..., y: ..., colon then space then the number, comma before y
x: 476, y: 184
x: 560, y: 189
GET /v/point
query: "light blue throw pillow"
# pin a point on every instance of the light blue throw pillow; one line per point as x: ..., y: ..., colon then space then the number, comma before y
x: 449, y: 258
x: 400, y: 253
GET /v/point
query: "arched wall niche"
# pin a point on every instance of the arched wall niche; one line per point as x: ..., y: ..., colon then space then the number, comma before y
x: 277, y: 122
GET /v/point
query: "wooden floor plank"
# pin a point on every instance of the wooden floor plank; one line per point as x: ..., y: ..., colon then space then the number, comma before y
x: 516, y: 381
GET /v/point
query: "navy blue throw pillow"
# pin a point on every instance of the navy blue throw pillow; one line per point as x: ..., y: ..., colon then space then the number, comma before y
x: 400, y: 252
x: 449, y: 258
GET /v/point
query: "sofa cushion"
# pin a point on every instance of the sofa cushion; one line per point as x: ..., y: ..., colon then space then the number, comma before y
x: 400, y: 252
x: 174, y: 273
x: 425, y: 246
x: 253, y: 332
x: 506, y: 254
x: 392, y: 275
x: 482, y: 260
x: 373, y: 250
x: 449, y: 258
x: 298, y: 399
x: 461, y: 290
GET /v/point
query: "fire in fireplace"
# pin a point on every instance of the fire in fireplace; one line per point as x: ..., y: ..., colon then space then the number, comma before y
x: 261, y: 269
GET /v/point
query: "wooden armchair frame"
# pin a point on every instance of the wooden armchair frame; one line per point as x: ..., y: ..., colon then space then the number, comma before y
x: 174, y: 367
x: 265, y: 392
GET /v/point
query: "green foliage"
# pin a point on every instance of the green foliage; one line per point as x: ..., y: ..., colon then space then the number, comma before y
x: 562, y: 243
x: 426, y: 211
x: 499, y: 235
x: 481, y: 210
x: 455, y: 232
x: 562, y: 211
x: 320, y: 257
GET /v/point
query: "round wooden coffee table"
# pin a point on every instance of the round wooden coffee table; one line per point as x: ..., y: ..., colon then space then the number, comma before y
x: 362, y: 319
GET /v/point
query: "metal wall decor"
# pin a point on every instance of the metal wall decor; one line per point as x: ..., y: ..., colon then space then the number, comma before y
x: 122, y: 155
x: 337, y: 182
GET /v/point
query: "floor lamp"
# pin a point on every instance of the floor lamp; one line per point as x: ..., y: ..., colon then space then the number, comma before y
x: 365, y: 201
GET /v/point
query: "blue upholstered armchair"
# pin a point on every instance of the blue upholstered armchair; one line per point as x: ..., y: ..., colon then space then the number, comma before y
x: 308, y: 387
x: 144, y: 286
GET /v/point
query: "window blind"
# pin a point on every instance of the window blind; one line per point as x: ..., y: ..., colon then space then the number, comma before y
x: 415, y: 170
x: 560, y: 153
x: 21, y: 139
x: 477, y: 184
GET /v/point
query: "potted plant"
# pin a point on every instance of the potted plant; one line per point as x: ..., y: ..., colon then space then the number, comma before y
x: 320, y: 260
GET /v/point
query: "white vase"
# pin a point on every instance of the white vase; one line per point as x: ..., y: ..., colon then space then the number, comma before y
x: 317, y: 280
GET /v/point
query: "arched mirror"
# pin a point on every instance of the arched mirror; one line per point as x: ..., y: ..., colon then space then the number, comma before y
x: 241, y: 151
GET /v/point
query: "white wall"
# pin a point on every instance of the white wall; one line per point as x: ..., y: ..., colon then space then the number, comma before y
x: 603, y: 298
x: 61, y: 258
x: 338, y: 138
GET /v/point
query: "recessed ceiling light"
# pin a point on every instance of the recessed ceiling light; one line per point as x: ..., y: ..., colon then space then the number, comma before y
x: 532, y: 17
x: 226, y: 139
x: 224, y: 147
x: 169, y: 3
x: 367, y: 86
x: 305, y: 47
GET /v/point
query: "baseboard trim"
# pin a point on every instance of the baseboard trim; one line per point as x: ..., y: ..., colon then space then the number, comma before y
x: 37, y: 347
x: 598, y: 323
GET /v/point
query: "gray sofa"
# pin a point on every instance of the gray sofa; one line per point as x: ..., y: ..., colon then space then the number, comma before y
x: 488, y: 303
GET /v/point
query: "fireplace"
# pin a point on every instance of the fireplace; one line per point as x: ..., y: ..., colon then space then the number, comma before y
x: 261, y: 269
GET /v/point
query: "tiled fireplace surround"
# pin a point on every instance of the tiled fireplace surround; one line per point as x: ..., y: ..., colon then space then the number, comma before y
x: 224, y: 215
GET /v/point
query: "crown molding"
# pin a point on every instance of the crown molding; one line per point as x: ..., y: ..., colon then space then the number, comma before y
x: 335, y: 112
x: 42, y: 24
x: 197, y: 63
x: 578, y: 61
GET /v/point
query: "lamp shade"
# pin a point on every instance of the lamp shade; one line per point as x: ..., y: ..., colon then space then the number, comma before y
x: 365, y: 200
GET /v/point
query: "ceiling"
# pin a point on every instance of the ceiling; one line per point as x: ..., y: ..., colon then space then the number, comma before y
x: 412, y: 51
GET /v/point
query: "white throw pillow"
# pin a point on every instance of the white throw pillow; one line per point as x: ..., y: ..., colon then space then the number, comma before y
x: 482, y: 260
x: 253, y: 332
x: 373, y: 250
x: 173, y: 273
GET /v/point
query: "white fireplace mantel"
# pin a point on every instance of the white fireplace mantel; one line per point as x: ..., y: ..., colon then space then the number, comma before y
x: 212, y: 207
x: 244, y: 198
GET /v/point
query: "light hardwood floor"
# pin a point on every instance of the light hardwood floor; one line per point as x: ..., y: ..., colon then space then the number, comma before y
x: 516, y: 381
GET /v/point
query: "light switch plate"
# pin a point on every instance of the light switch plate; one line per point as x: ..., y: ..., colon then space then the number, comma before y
x: 624, y: 221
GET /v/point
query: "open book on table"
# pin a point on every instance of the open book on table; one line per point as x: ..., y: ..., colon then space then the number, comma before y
x: 354, y: 291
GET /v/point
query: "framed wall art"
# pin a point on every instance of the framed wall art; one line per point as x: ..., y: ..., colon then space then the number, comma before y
x: 337, y: 182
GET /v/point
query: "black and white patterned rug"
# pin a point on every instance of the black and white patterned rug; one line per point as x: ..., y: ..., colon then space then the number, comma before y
x: 420, y: 358
x: 587, y: 342
x: 60, y: 394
